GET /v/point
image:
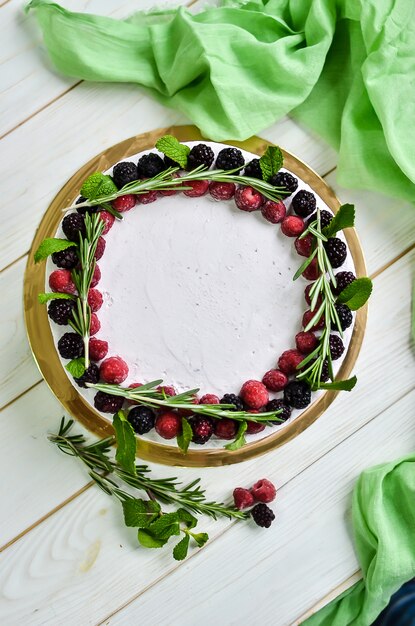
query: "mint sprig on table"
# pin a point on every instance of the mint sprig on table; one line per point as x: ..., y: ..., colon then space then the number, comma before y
x: 154, y: 526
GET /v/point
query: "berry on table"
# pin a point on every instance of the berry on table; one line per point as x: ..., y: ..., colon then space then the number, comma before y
x: 168, y: 424
x: 150, y: 165
x: 336, y: 347
x: 95, y: 325
x: 254, y: 394
x: 142, y: 419
x: 248, y: 199
x: 95, y: 300
x: 61, y: 281
x: 60, y: 311
x: 107, y: 403
x: 124, y: 173
x: 306, y: 342
x: 264, y: 491
x: 336, y: 251
x: 221, y: 191
x: 202, y: 428
x: 304, y: 203
x: 312, y: 271
x: 96, y: 276
x: 225, y: 428
x: 91, y: 375
x: 66, y: 259
x: 262, y: 515
x: 108, y: 220
x: 231, y: 398
x: 198, y: 188
x: 73, y: 225
x: 113, y: 370
x: 124, y: 203
x: 100, y: 249
x: 284, y: 180
x: 277, y: 405
x: 253, y: 169
x: 242, y: 498
x: 200, y: 155
x: 98, y: 349
x: 289, y: 361
x: 343, y: 280
x: 230, y: 159
x: 325, y: 218
x: 308, y: 316
x: 345, y: 316
x: 297, y: 394
x: 304, y: 246
x: 274, y: 212
x: 71, y: 346
x: 275, y: 380
x: 292, y: 226
x: 209, y: 398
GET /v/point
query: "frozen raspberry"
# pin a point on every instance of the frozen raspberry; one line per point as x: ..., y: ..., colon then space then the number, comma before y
x: 113, y: 370
x: 170, y: 192
x: 202, y: 428
x: 96, y: 276
x: 225, y: 428
x: 336, y: 347
x: 274, y: 212
x: 222, y: 191
x: 308, y: 316
x: 289, y: 360
x: 198, y: 188
x: 247, y: 199
x: 262, y: 515
x: 133, y: 386
x: 124, y: 203
x: 100, y: 249
x: 306, y: 342
x: 107, y: 403
x: 168, y: 424
x: 95, y: 300
x: 275, y: 380
x: 242, y: 498
x: 292, y: 226
x: 108, y: 220
x: 252, y: 428
x: 188, y: 412
x: 209, y: 398
x: 304, y: 245
x: 147, y: 198
x: 98, y: 349
x: 61, y: 282
x: 167, y: 389
x: 254, y: 394
x: 95, y: 325
x: 312, y: 271
x: 307, y: 296
x: 264, y: 491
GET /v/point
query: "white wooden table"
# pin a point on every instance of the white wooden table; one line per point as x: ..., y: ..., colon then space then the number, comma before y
x: 66, y: 557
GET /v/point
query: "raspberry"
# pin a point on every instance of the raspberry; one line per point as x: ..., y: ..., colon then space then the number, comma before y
x: 71, y: 346
x: 73, y: 225
x: 95, y: 300
x: 167, y: 389
x: 202, y: 428
x: 200, y: 155
x: 336, y: 347
x: 297, y: 394
x: 253, y: 169
x: 67, y: 259
x: 198, y: 188
x: 308, y: 299
x: 221, y: 191
x: 312, y: 271
x: 345, y: 316
x: 61, y: 281
x: 292, y: 226
x: 304, y: 203
x: 209, y: 398
x: 289, y: 360
x: 252, y: 428
x: 170, y: 192
x: 96, y: 276
x: 60, y: 311
x: 247, y: 199
x: 275, y: 380
x: 113, y: 370
x: 274, y: 212
x: 142, y: 419
x: 262, y: 515
x: 91, y: 375
x: 225, y: 428
x: 188, y: 412
x: 304, y: 246
x: 124, y: 203
x: 284, y: 180
x: 230, y: 159
x: 343, y: 280
x: 133, y: 386
x: 150, y: 165
x: 107, y: 403
x: 254, y: 394
x: 231, y: 398
x: 108, y: 220
x: 325, y: 218
x: 242, y: 498
x: 306, y: 342
x: 264, y: 491
x: 276, y: 405
x: 336, y: 250
x: 147, y: 198
x: 98, y: 349
x: 124, y: 173
x: 308, y: 316
x: 95, y: 325
x: 168, y: 424
x: 100, y: 249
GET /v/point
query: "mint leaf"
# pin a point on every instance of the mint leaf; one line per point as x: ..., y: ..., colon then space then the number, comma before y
x: 344, y: 218
x: 147, y: 540
x: 181, y: 548
x: 340, y: 385
x: 270, y: 162
x: 200, y: 538
x: 185, y: 437
x: 173, y: 149
x: 240, y: 440
x: 140, y: 513
x: 357, y: 293
x: 187, y: 518
x: 126, y: 443
x: 165, y: 526
x: 98, y: 185
x: 76, y: 367
x: 51, y: 245
x: 45, y: 297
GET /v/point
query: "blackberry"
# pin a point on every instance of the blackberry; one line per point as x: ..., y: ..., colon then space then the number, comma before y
x: 60, y: 311
x: 168, y: 162
x: 304, y: 203
x: 285, y: 180
x: 297, y: 394
x: 73, y: 225
x: 336, y: 251
x: 91, y: 375
x: 324, y: 376
x: 343, y: 280
x: 276, y: 405
x: 200, y: 155
x: 325, y: 218
x: 86, y: 209
x: 229, y: 159
x: 253, y: 169
x: 336, y: 347
x: 107, y: 403
x: 142, y: 419
x: 124, y: 173
x: 202, y: 429
x: 150, y: 165
x: 345, y: 316
x: 231, y: 398
x: 71, y: 346
x: 262, y: 515
x: 67, y: 259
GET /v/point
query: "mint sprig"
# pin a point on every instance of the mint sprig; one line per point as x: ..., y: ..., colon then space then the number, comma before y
x: 344, y: 218
x: 340, y: 385
x: 173, y: 149
x: 126, y: 442
x: 356, y: 294
x: 185, y: 437
x: 46, y: 297
x: 98, y: 184
x: 76, y: 367
x: 271, y: 162
x: 51, y: 245
x: 239, y: 440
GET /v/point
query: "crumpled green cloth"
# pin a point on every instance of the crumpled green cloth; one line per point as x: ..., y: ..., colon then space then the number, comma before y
x: 384, y: 534
x: 346, y: 68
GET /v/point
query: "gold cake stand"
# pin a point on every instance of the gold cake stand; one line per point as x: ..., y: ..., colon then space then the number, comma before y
x: 45, y: 353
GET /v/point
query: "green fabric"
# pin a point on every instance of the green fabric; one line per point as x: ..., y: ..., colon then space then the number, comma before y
x: 384, y: 534
x: 346, y: 68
